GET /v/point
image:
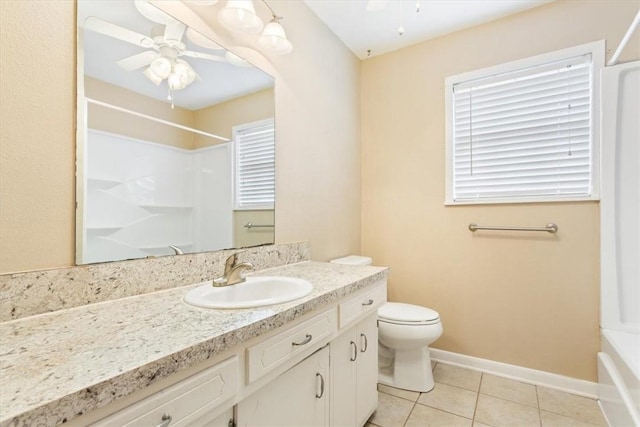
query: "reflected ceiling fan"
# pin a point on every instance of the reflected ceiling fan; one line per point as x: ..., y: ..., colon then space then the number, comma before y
x: 163, y: 57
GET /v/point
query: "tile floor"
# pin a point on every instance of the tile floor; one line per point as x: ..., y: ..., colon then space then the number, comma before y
x: 463, y: 397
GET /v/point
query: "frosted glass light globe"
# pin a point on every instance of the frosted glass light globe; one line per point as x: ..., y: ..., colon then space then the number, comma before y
x: 161, y: 67
x: 184, y: 72
x: 240, y: 15
x: 274, y: 39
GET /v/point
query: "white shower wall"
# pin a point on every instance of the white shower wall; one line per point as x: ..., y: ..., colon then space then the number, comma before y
x: 140, y: 197
x: 619, y: 361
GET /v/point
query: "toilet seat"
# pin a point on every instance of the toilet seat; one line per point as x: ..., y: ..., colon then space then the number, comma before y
x: 407, y: 314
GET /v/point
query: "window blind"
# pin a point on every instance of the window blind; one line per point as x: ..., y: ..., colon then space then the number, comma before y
x: 525, y: 133
x: 255, y: 165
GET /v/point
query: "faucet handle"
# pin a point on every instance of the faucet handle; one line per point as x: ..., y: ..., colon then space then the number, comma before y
x: 219, y: 281
x: 230, y: 262
x: 177, y: 250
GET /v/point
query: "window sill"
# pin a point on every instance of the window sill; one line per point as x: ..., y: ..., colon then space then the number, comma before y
x: 520, y: 201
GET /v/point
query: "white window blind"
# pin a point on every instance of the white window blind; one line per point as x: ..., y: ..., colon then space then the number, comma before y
x: 524, y: 134
x: 255, y: 165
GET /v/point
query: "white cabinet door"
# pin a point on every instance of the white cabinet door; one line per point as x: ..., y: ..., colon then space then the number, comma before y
x: 354, y: 374
x: 297, y: 398
x: 367, y: 381
x: 344, y: 353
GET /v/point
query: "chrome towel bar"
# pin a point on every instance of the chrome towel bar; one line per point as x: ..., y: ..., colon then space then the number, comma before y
x: 551, y: 228
x: 251, y: 225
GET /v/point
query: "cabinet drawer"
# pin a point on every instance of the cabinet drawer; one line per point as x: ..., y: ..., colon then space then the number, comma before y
x: 363, y: 303
x: 185, y: 400
x: 268, y: 354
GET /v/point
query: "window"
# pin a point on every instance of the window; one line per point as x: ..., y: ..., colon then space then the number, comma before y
x: 254, y: 165
x: 526, y: 130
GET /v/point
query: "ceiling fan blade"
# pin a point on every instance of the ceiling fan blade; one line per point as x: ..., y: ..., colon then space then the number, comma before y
x: 112, y: 30
x: 139, y: 60
x: 201, y: 55
x: 376, y: 5
x: 174, y: 31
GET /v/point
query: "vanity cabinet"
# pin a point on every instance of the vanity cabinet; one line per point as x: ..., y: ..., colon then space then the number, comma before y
x: 354, y: 373
x: 300, y: 340
x: 319, y: 370
x: 354, y: 359
x: 299, y: 397
x: 191, y: 402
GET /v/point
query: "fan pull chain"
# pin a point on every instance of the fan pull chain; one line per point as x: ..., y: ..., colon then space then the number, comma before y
x: 170, y: 97
x: 401, y: 27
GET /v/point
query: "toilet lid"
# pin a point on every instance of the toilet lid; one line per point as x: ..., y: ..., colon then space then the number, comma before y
x: 407, y: 313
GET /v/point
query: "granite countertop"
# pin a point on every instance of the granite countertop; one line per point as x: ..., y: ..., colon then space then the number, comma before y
x: 56, y: 366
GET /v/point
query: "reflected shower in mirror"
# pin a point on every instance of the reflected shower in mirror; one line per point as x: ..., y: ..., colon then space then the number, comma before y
x: 176, y: 142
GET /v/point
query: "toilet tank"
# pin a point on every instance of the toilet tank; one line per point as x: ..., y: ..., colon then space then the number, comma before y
x: 353, y: 260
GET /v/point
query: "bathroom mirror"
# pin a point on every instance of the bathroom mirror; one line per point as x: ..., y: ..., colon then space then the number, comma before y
x: 159, y: 106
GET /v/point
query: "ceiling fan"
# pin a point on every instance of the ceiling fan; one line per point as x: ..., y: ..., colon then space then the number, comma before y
x: 163, y: 57
x: 378, y: 5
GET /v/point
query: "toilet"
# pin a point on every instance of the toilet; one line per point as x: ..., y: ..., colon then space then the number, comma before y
x: 404, y: 334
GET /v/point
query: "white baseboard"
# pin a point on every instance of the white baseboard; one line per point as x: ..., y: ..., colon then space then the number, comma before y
x: 518, y: 373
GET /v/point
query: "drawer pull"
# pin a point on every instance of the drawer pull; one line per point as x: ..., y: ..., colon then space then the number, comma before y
x: 319, y: 396
x: 306, y: 340
x: 368, y: 302
x: 355, y: 352
x: 166, y: 420
x: 365, y: 342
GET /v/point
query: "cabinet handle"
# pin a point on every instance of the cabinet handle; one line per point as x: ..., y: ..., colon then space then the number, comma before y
x: 365, y: 344
x: 355, y: 352
x: 319, y: 396
x: 368, y: 302
x: 166, y: 420
x: 306, y: 340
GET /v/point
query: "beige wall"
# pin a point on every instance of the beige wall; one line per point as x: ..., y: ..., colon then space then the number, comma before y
x: 318, y: 148
x: 114, y: 121
x: 219, y: 119
x: 244, y: 237
x: 37, y: 97
x: 528, y: 300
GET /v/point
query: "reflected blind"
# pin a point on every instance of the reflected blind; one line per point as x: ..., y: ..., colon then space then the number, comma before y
x: 255, y: 165
x: 526, y: 133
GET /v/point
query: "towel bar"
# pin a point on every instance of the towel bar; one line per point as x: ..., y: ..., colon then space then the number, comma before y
x: 551, y: 228
x: 251, y: 225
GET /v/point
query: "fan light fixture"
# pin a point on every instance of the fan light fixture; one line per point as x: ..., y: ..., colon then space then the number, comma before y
x: 240, y: 16
x: 274, y: 39
x: 178, y: 73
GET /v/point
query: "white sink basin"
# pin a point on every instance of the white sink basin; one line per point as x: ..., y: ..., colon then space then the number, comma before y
x: 254, y: 292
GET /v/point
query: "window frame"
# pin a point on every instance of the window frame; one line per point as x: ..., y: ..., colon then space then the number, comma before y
x: 597, y: 51
x: 234, y: 165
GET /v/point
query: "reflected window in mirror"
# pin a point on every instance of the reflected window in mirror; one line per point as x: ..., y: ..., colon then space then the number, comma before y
x: 254, y: 153
x: 254, y: 180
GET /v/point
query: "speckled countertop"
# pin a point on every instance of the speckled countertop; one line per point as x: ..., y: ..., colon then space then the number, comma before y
x: 56, y: 366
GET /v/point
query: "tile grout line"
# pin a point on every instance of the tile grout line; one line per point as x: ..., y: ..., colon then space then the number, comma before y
x: 410, y: 412
x: 538, y: 401
x: 475, y: 408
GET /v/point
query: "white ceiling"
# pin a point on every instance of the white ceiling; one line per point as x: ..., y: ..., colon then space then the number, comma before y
x: 217, y: 81
x: 363, y: 30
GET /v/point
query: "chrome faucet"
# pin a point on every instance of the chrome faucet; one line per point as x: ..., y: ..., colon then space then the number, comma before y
x: 232, y: 272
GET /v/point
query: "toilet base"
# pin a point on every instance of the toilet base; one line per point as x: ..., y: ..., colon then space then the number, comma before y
x: 408, y: 370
